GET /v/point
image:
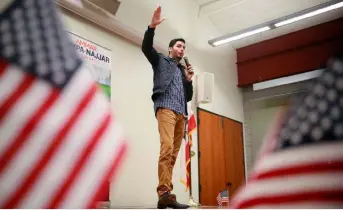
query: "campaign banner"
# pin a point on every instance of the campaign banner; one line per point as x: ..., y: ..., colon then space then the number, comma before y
x: 97, y: 59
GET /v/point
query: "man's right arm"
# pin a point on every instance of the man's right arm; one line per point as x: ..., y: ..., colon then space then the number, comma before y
x: 147, y: 46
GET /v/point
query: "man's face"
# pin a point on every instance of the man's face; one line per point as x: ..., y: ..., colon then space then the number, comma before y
x: 178, y: 50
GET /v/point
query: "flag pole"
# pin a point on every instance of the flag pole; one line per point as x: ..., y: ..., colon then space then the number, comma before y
x: 190, y: 201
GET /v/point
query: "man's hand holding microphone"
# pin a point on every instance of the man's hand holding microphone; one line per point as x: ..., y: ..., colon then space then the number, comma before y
x: 188, y: 69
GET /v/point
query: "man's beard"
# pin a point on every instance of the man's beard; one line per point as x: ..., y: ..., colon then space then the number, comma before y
x: 178, y: 58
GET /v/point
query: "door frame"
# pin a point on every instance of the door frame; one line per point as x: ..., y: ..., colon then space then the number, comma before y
x: 198, y: 127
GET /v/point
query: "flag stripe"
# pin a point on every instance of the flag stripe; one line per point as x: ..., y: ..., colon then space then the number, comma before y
x: 9, y: 81
x: 44, y: 134
x: 20, y: 140
x: 12, y: 126
x: 323, y: 195
x: 295, y: 184
x: 30, y: 180
x: 321, y: 167
x: 102, y: 159
x: 111, y: 175
x: 25, y: 108
x: 3, y: 67
x: 10, y: 101
x: 68, y: 153
x: 80, y: 163
x: 191, y: 123
x: 301, y: 156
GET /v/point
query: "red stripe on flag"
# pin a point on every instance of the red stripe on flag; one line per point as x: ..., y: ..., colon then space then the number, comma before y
x: 322, y: 167
x: 23, y: 87
x: 3, y: 66
x: 191, y: 123
x: 30, y: 125
x: 30, y: 180
x: 111, y: 174
x: 80, y: 164
x: 188, y: 168
x: 324, y: 195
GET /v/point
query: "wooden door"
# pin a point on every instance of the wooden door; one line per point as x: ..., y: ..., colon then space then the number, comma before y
x: 221, y: 157
x: 234, y: 154
x: 212, y: 170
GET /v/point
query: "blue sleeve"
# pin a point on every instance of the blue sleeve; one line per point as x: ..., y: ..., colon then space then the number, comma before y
x: 147, y: 46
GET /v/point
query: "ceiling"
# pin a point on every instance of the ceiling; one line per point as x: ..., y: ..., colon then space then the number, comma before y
x: 230, y: 16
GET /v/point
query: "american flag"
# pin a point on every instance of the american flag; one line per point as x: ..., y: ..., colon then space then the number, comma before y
x: 301, y: 163
x: 223, y: 197
x: 60, y: 144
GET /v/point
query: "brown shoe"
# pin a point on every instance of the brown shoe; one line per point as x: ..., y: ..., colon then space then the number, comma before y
x: 169, y: 201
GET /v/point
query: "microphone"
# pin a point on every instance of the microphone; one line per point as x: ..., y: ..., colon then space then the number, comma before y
x: 186, y: 61
x: 187, y: 64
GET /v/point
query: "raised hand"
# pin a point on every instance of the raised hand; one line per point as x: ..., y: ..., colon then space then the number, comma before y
x: 156, y: 18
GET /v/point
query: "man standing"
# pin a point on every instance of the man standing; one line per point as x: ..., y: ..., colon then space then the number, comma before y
x: 172, y: 90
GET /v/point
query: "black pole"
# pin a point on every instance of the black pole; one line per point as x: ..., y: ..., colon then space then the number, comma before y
x: 190, y: 168
x: 190, y: 158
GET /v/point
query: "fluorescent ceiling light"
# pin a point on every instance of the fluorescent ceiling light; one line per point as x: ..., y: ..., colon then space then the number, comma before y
x: 310, y: 14
x: 319, y: 9
x: 240, y: 36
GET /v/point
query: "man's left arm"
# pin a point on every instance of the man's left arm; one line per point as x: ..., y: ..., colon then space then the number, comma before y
x: 189, y: 90
x: 188, y: 82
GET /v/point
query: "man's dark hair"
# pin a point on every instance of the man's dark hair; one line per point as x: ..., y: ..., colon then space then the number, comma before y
x: 173, y: 42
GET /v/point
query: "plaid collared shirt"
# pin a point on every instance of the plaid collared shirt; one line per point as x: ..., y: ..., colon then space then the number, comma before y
x: 174, y: 96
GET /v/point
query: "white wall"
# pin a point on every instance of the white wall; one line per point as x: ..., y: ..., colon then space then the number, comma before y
x: 132, y: 86
x: 261, y: 120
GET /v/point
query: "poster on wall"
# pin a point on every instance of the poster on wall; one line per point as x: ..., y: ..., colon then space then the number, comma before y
x: 97, y: 61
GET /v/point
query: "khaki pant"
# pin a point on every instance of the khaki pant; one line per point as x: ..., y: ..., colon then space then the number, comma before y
x: 171, y: 127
